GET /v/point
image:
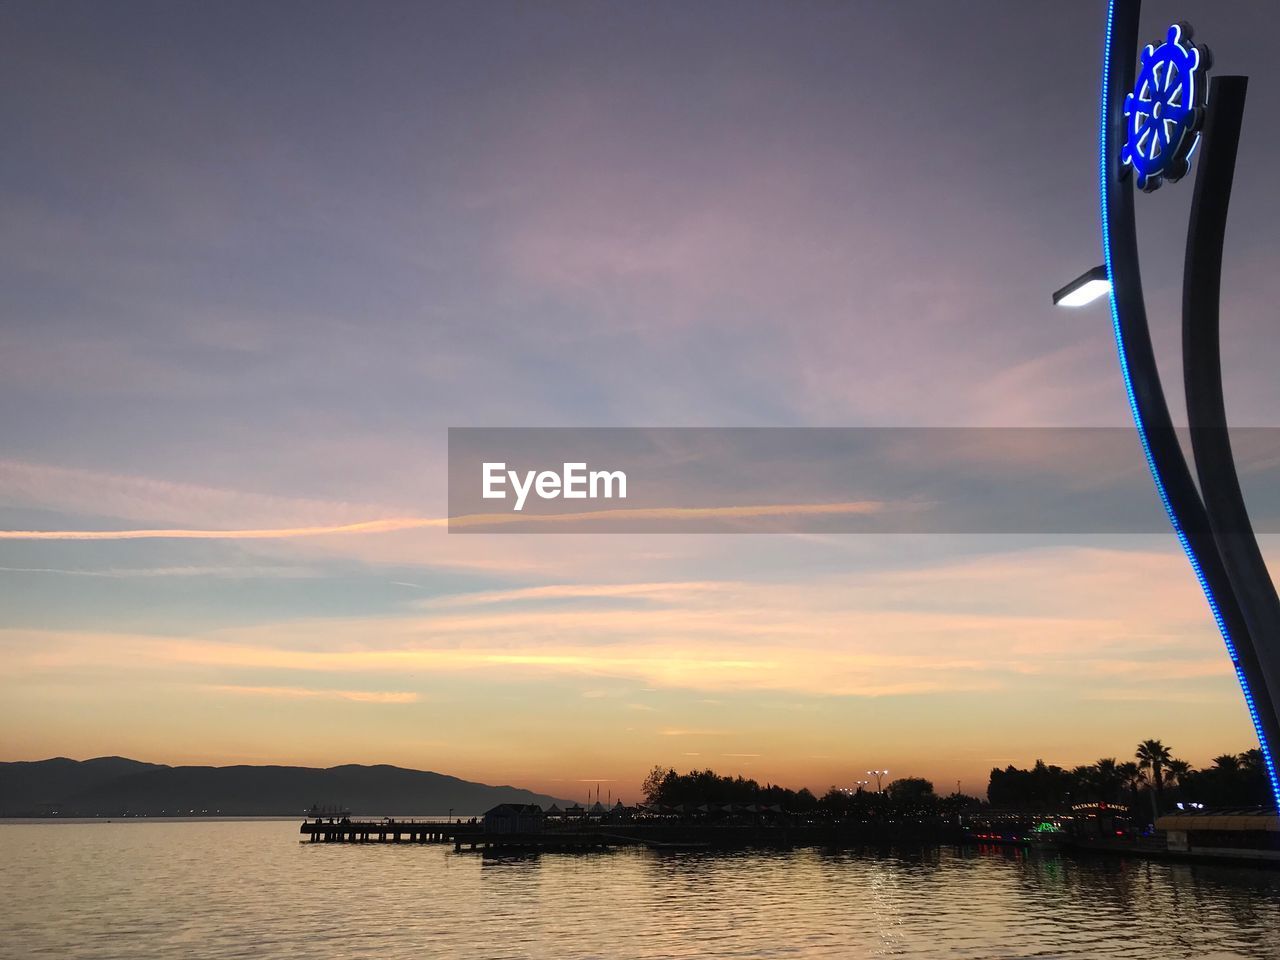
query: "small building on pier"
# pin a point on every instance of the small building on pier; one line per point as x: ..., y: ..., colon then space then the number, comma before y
x: 514, y: 818
x: 1238, y: 834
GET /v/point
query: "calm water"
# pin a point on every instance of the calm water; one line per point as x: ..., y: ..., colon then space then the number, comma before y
x: 250, y: 889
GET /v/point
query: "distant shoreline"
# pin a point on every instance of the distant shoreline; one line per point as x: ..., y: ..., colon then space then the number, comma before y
x: 118, y: 787
x: 211, y: 818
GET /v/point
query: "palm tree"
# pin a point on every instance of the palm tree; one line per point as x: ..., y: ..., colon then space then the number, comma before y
x: 1083, y: 781
x: 1251, y: 761
x: 1227, y: 763
x: 1131, y: 775
x: 1154, y: 756
x: 1108, y: 778
x: 1178, y: 771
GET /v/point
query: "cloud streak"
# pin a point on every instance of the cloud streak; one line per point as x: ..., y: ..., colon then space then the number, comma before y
x: 306, y: 693
x: 397, y: 524
x: 269, y: 533
x: 991, y: 626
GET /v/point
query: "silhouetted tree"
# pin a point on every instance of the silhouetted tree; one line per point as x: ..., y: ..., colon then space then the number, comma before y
x: 1042, y: 789
x: 1228, y: 763
x: 653, y: 783
x: 1133, y: 779
x: 1176, y: 772
x: 956, y: 803
x: 1251, y: 763
x: 1233, y: 780
x: 805, y: 801
x: 911, y: 790
x: 1154, y: 756
x: 1108, y: 780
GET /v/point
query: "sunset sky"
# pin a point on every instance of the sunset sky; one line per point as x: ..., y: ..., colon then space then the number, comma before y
x: 256, y: 260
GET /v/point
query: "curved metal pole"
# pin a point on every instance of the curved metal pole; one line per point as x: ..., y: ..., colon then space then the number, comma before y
x: 1202, y: 374
x: 1147, y: 402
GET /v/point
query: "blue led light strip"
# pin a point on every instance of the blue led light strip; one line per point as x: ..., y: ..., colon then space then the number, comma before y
x: 1103, y: 165
x: 1104, y: 158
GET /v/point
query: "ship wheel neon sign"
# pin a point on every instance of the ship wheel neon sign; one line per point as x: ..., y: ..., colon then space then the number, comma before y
x: 1166, y: 109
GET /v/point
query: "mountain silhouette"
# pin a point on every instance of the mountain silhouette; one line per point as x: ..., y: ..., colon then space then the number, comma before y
x: 116, y: 786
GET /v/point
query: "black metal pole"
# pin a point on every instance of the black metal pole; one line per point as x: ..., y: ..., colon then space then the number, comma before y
x: 1150, y: 409
x: 1202, y: 373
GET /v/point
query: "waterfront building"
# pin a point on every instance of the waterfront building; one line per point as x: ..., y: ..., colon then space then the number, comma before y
x: 1240, y: 834
x: 514, y: 818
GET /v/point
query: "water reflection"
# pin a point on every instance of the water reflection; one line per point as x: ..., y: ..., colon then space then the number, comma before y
x: 222, y: 890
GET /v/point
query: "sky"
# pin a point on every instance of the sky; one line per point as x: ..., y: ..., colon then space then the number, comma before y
x: 255, y: 260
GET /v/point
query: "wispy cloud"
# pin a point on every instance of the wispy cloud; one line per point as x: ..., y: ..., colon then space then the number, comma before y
x: 247, y: 571
x: 657, y: 590
x: 107, y: 507
x: 163, y: 503
x: 985, y: 624
x: 270, y: 533
x: 697, y: 732
x: 308, y: 693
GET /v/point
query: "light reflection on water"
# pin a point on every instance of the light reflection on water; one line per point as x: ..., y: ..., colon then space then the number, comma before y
x: 250, y: 889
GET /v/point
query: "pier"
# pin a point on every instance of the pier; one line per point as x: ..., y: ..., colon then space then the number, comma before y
x: 388, y: 830
x: 464, y: 836
x: 470, y: 836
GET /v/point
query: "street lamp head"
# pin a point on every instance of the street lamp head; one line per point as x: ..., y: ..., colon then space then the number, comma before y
x: 1086, y: 288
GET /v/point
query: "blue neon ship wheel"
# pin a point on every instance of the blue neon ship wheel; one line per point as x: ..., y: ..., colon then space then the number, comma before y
x: 1166, y: 109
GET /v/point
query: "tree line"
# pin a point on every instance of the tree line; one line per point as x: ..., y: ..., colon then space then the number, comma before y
x: 1154, y: 778
x: 909, y: 797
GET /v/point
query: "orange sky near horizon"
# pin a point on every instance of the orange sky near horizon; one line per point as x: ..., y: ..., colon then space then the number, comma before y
x: 944, y: 670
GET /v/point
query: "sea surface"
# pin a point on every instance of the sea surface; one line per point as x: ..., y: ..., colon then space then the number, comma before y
x: 219, y: 889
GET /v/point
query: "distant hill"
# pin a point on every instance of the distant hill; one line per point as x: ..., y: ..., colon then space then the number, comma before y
x: 115, y: 786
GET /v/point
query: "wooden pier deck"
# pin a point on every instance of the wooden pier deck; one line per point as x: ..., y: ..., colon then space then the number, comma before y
x: 463, y: 836
x: 469, y: 836
x: 387, y: 831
